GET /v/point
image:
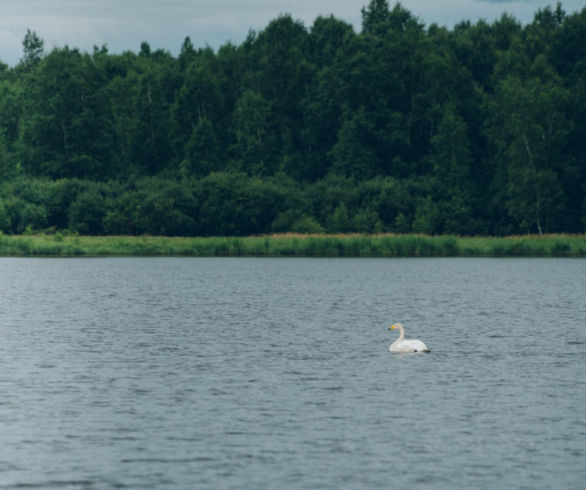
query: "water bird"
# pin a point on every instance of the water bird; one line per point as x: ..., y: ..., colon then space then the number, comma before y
x: 406, y: 345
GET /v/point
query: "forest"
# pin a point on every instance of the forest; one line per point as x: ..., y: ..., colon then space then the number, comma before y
x: 479, y: 129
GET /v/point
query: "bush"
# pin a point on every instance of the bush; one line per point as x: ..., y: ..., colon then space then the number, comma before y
x: 5, y: 221
x: 307, y: 224
x: 87, y: 212
x: 25, y: 216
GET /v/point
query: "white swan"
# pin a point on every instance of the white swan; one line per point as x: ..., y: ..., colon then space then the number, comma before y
x: 402, y: 345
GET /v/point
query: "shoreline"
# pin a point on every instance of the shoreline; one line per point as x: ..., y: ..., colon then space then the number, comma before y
x: 294, y: 245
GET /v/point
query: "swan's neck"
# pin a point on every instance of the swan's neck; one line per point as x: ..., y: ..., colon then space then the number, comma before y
x: 401, y: 334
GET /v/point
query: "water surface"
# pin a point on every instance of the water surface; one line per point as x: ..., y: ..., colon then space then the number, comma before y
x: 275, y: 373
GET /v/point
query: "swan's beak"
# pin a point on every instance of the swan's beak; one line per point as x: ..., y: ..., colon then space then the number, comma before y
x: 392, y: 327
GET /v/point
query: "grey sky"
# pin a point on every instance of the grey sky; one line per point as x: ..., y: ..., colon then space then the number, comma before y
x: 124, y: 24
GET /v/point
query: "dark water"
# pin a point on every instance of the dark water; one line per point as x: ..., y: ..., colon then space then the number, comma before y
x: 275, y: 373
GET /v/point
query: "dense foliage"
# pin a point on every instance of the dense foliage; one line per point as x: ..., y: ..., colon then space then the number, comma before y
x: 479, y: 129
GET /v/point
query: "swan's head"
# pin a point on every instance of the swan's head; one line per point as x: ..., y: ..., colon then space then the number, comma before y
x: 395, y: 325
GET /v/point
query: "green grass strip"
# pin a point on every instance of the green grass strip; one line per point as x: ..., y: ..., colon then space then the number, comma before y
x: 292, y: 245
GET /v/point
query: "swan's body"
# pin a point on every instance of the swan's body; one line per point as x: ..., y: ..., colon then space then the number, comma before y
x: 403, y: 345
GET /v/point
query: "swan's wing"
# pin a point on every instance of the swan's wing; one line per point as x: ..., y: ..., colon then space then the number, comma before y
x: 417, y: 345
x: 409, y: 346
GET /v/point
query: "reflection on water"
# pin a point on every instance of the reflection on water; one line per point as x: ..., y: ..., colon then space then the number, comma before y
x: 275, y: 373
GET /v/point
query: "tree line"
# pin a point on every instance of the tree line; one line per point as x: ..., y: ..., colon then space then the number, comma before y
x: 479, y: 129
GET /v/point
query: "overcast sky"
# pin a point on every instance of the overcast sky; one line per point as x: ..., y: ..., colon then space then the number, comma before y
x: 124, y: 24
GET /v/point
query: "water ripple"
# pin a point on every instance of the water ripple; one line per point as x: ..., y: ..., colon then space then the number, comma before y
x: 262, y: 373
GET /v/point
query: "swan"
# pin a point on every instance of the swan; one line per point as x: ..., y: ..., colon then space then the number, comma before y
x: 402, y: 345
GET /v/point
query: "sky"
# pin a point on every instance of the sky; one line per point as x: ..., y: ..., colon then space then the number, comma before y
x: 124, y: 24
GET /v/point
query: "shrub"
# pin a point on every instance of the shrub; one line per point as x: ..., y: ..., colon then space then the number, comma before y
x: 306, y: 224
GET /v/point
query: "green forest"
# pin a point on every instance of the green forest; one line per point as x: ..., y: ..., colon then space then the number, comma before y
x: 479, y: 129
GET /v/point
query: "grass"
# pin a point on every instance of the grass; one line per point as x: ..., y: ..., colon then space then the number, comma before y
x: 289, y: 245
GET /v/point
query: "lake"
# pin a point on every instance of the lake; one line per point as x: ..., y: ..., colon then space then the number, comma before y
x: 243, y: 373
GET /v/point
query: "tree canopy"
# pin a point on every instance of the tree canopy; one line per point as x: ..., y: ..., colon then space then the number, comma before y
x: 478, y: 129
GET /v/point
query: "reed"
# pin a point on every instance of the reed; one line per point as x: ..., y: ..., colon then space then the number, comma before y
x: 383, y: 245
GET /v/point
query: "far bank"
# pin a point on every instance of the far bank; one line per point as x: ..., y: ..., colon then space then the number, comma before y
x: 295, y: 245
